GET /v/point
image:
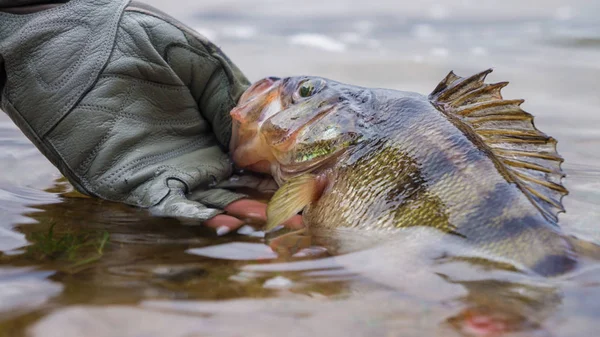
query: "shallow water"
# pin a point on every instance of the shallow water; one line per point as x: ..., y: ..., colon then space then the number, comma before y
x: 130, y: 274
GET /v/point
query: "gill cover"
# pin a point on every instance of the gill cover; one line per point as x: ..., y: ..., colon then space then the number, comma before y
x: 317, y: 123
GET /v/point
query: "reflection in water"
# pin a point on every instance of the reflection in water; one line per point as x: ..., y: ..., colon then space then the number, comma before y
x: 155, y: 277
x: 374, y: 313
x: 23, y: 289
x: 512, y: 307
x: 159, y: 262
x: 487, y: 301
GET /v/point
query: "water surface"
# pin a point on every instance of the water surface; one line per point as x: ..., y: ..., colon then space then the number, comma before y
x: 127, y: 273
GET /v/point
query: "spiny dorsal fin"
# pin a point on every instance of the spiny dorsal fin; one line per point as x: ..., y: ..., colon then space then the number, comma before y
x: 528, y: 154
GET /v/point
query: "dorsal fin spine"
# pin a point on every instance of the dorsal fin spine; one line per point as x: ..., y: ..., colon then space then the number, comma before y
x: 527, y: 155
x: 492, y: 90
x: 443, y: 85
x: 535, y: 134
x: 527, y: 165
x: 489, y: 107
x: 541, y: 155
x: 461, y: 86
x: 556, y: 187
x: 489, y: 118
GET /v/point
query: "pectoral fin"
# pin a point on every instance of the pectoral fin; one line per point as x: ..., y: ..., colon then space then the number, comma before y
x: 292, y: 197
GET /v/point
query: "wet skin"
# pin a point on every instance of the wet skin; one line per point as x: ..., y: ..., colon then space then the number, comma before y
x: 240, y: 212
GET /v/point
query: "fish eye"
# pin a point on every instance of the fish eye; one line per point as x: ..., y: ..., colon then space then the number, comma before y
x: 306, y: 90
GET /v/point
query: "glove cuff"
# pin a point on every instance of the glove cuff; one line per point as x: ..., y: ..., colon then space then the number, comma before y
x: 38, y: 96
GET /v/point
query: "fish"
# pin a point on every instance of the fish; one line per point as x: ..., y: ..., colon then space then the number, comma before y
x: 461, y: 161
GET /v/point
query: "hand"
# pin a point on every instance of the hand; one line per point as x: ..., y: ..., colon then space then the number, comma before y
x: 244, y: 210
x: 128, y: 103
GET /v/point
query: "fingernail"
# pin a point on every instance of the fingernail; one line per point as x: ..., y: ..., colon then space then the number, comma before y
x: 223, y: 230
x: 246, y: 230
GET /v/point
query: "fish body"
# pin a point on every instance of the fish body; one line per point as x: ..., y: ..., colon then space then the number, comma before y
x: 462, y: 161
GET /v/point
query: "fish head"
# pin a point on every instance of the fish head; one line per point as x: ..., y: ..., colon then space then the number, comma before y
x: 287, y: 127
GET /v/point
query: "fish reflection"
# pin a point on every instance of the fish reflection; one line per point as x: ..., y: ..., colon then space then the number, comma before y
x: 486, y: 298
x: 493, y: 308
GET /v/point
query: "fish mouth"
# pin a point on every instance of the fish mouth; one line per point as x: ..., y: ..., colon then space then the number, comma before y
x: 250, y: 105
x: 246, y: 148
x: 258, y: 88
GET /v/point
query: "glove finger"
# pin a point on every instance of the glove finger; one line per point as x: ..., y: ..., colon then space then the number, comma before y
x: 215, y: 197
x: 178, y: 206
x: 260, y: 184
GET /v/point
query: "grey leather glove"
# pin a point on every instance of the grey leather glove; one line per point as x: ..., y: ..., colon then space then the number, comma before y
x: 129, y: 104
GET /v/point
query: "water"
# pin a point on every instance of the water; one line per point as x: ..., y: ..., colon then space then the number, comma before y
x: 129, y: 274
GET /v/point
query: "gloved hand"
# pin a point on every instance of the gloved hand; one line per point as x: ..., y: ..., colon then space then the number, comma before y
x: 130, y: 105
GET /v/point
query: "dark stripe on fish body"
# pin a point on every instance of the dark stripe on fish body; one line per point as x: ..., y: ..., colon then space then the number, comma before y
x: 416, y: 167
x: 395, y: 180
x: 555, y: 264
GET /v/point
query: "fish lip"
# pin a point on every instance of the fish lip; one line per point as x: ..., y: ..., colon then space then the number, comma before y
x: 246, y: 103
x: 257, y: 88
x: 254, y: 92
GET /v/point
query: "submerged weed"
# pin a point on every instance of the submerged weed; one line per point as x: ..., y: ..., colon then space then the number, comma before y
x: 79, y: 248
